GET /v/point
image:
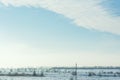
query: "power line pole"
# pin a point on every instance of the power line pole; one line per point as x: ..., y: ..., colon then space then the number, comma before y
x: 76, y: 71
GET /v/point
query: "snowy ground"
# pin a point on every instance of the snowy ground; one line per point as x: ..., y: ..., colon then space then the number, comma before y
x: 58, y: 78
x: 65, y: 74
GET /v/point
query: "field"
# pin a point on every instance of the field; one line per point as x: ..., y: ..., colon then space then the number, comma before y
x: 59, y: 74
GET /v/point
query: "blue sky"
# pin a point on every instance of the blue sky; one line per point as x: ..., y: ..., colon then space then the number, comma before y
x: 42, y: 33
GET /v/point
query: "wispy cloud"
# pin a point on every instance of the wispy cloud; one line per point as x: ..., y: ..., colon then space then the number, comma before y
x: 84, y: 13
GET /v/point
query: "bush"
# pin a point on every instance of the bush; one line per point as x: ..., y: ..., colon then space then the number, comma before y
x: 91, y: 74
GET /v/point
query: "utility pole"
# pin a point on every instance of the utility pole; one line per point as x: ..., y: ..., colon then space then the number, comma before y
x: 76, y: 71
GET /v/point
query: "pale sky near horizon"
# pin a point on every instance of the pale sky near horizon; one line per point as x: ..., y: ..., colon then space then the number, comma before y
x: 59, y: 33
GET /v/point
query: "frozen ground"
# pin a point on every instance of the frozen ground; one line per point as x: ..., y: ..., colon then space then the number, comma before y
x: 66, y: 74
x: 58, y: 78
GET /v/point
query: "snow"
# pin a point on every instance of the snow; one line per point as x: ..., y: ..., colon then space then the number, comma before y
x: 62, y: 74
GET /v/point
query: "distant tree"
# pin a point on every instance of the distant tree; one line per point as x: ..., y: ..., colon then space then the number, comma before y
x: 74, y: 73
x: 34, y: 73
x: 42, y: 74
x: 91, y: 74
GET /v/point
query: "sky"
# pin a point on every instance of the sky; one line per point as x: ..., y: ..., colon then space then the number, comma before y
x: 36, y: 33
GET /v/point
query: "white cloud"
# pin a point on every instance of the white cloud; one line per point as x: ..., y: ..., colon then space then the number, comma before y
x: 85, y: 13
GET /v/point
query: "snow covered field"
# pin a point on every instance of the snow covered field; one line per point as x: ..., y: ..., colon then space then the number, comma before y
x: 58, y: 78
x: 66, y: 74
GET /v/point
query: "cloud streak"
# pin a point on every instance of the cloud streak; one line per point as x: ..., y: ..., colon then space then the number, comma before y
x: 84, y: 13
